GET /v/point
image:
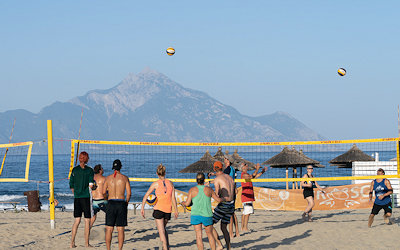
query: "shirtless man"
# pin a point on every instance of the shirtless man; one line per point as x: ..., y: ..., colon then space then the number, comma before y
x: 225, y: 189
x: 117, y: 209
x: 99, y: 201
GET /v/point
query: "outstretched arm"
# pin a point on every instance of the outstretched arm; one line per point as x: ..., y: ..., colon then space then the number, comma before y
x: 319, y: 187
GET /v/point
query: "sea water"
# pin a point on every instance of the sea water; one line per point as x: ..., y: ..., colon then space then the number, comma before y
x: 39, y: 176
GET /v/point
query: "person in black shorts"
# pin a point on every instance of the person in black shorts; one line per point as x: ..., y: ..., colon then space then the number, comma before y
x: 383, y: 190
x: 80, y: 182
x: 117, y: 185
x: 308, y: 192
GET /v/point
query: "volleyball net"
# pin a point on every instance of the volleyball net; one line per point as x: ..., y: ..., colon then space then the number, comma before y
x: 15, y: 161
x: 140, y: 159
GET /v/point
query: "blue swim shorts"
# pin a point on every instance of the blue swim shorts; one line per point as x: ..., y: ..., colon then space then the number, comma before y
x: 197, y: 219
x: 99, y: 205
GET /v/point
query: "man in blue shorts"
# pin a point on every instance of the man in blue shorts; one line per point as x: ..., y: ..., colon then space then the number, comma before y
x: 99, y: 201
x: 225, y: 189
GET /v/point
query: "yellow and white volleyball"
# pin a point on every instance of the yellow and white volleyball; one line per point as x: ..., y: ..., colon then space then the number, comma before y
x: 170, y: 51
x: 341, y: 71
x: 151, y: 200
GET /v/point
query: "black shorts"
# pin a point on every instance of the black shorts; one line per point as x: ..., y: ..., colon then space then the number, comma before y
x: 157, y: 214
x: 376, y: 208
x: 308, y: 193
x: 117, y: 213
x: 82, y: 205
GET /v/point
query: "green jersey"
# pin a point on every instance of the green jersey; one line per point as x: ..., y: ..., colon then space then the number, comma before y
x: 80, y: 179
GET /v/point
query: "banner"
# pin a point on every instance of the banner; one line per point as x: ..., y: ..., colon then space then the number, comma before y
x: 336, y: 198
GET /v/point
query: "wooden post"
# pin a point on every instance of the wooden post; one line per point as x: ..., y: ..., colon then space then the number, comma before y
x: 287, y: 176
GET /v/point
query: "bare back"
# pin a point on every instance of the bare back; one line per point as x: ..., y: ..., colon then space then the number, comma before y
x: 116, y: 185
x: 224, y: 186
x: 98, y: 192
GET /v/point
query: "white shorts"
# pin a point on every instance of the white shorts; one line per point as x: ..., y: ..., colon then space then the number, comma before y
x: 248, y: 207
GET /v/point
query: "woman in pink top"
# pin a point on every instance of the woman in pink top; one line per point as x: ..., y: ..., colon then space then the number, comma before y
x: 165, y: 192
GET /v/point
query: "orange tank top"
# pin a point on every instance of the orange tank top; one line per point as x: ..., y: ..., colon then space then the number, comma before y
x: 164, y: 196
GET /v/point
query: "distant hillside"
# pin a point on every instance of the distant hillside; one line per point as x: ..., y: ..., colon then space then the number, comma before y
x: 151, y: 107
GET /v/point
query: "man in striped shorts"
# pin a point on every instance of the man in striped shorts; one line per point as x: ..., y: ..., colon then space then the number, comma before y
x: 225, y: 189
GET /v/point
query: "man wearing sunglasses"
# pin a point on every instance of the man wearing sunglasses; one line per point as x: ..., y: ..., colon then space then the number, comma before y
x: 383, y: 190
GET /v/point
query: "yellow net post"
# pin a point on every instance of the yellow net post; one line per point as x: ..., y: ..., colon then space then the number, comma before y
x: 51, y: 173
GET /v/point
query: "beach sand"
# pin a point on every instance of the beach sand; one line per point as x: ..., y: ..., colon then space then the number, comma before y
x: 339, y: 229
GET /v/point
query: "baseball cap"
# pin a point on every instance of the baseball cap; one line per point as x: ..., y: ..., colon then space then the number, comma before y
x: 217, y: 166
x: 117, y: 164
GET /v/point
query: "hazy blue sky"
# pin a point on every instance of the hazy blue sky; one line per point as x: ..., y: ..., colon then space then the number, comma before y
x: 257, y: 56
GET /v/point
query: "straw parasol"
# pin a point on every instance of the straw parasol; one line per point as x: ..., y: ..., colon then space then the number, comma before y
x: 290, y: 158
x: 238, y: 160
x: 353, y: 154
x: 219, y: 156
x: 204, y: 165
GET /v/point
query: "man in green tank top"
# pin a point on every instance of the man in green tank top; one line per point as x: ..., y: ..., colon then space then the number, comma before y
x: 201, y: 212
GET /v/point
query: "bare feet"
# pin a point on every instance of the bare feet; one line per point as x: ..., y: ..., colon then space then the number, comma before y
x: 310, y: 219
x: 219, y: 247
x: 304, y: 216
x: 73, y: 245
x: 89, y: 245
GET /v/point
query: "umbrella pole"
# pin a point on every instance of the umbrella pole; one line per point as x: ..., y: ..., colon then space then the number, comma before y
x: 301, y: 176
x: 287, y: 176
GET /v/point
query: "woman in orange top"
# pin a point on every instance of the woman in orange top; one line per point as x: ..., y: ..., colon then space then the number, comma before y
x: 165, y: 193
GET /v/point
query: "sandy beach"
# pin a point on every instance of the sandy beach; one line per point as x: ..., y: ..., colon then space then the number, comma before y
x: 339, y: 229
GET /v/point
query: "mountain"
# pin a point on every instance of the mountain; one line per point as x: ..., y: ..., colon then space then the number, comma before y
x: 151, y: 107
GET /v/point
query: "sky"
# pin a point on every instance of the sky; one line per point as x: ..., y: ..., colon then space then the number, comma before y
x: 257, y: 56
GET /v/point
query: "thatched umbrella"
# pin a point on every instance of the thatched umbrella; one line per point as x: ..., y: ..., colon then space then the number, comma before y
x: 219, y: 156
x: 238, y: 160
x: 353, y: 154
x: 204, y: 165
x: 289, y: 158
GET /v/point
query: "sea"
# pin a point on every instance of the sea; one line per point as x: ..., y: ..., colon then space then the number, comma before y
x: 39, y: 176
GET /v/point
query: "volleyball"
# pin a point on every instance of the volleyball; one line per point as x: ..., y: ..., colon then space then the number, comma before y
x: 170, y: 51
x: 151, y: 200
x: 341, y: 71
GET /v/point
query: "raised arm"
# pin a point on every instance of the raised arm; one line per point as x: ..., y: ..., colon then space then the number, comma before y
x: 256, y: 175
